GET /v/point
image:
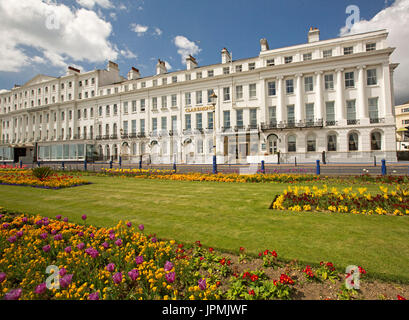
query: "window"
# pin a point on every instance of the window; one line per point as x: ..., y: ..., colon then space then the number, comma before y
x: 143, y: 85
x: 348, y: 50
x: 311, y: 143
x: 125, y: 107
x: 174, y: 123
x: 272, y: 116
x: 199, y: 144
x: 239, y: 92
x: 134, y: 106
x: 199, y: 75
x: 252, y: 90
x: 270, y: 63
x: 253, y: 118
x: 188, y: 77
x: 188, y: 100
x: 107, y: 110
x: 125, y: 127
x: 164, y: 123
x: 353, y: 142
x: 307, y: 56
x: 370, y: 46
x: 292, y: 144
x: 226, y: 70
x: 239, y: 68
x: 188, y: 122
x: 271, y: 88
x: 330, y: 112
x: 308, y: 84
x: 329, y: 81
x: 174, y: 100
x: 210, y: 73
x: 373, y: 110
x: 288, y: 59
x: 91, y: 112
x: 143, y: 105
x: 79, y: 114
x: 155, y: 82
x: 100, y: 111
x: 154, y: 103
x: 376, y: 141
x: 199, y: 124
x: 351, y: 112
x: 133, y: 128
x: 226, y: 119
x: 290, y: 115
x: 154, y: 124
x: 371, y: 78
x: 199, y: 99
x: 164, y: 102
x: 142, y: 125
x: 164, y: 81
x: 289, y: 86
x: 332, y: 142
x: 309, y: 113
x: 239, y: 118
x: 349, y: 80
x: 226, y: 94
x: 252, y: 65
x: 210, y: 120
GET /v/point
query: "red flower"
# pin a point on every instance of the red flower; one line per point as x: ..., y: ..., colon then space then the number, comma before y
x: 211, y: 249
x: 254, y: 277
x: 223, y: 261
x: 266, y: 252
x: 274, y: 254
x: 401, y: 298
x: 246, y: 274
x: 241, y: 249
x: 251, y: 292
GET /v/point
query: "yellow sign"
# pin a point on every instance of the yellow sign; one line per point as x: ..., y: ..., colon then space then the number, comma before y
x: 196, y: 109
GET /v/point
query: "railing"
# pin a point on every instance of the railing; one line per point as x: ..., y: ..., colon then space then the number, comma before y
x: 353, y: 122
x: 331, y: 123
x: 114, y: 136
x: 376, y: 120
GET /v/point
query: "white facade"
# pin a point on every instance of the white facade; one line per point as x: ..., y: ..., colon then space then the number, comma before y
x: 333, y: 96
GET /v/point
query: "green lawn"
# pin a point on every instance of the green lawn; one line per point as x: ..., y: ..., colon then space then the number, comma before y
x: 226, y: 216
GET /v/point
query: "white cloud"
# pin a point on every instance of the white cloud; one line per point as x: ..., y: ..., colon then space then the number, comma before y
x: 168, y: 66
x: 185, y: 47
x: 158, y: 31
x: 60, y: 33
x: 396, y: 20
x: 90, y: 4
x: 139, y: 29
x: 113, y: 16
x: 128, y: 54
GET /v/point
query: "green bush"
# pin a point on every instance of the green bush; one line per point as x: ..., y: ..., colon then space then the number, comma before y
x: 42, y: 173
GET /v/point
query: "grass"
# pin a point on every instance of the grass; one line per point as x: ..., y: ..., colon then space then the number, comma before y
x: 226, y: 216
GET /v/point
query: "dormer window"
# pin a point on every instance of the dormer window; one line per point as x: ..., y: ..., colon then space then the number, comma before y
x: 288, y: 59
x: 270, y: 62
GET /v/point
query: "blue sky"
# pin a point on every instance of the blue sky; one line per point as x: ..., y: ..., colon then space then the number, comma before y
x: 206, y: 27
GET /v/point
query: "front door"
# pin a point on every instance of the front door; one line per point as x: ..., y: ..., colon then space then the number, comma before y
x: 272, y: 144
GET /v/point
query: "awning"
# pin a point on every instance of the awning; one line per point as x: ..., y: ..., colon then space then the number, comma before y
x: 401, y: 130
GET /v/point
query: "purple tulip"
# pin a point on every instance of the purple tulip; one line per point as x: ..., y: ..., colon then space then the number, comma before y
x: 202, y: 284
x: 141, y: 227
x: 53, y: 232
x: 5, y: 225
x: 24, y: 220
x: 105, y: 245
x: 14, y: 294
x: 170, y: 277
x: 46, y: 222
x: 58, y: 237
x: 19, y: 234
x: 111, y: 231
x: 81, y: 245
x: 62, y: 272
x: 44, y: 235
x: 154, y: 239
x: 118, y: 242
x: 129, y: 224
x: 92, y: 235
x: 133, y: 274
x: 84, y: 217
x: 92, y: 252
x: 3, y: 277
x: 112, y: 236
x: 46, y: 248
x: 39, y: 222
x: 68, y: 249
x: 117, y: 277
x: 58, y: 217
x: 66, y: 219
x: 41, y: 288
x: 94, y: 296
x: 111, y: 267
x: 1, y: 216
x: 139, y: 259
x: 66, y: 280
x: 168, y: 266
x: 12, y: 239
x: 80, y: 234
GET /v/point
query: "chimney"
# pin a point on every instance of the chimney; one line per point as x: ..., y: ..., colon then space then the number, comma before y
x: 112, y: 66
x: 264, y: 45
x: 226, y: 58
x: 133, y: 74
x: 161, y: 67
x: 72, y: 70
x: 313, y: 35
x: 191, y: 63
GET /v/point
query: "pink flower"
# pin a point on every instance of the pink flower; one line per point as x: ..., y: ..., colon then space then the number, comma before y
x: 14, y: 294
x: 46, y: 248
x: 62, y: 272
x: 170, y: 277
x: 44, y: 235
x: 58, y: 237
x: 41, y: 288
x: 84, y: 217
x: 67, y: 249
x: 94, y: 296
x: 139, y: 259
x: 81, y: 245
x: 12, y: 239
x: 66, y: 280
x: 129, y: 224
x: 58, y: 217
x: 3, y: 277
x: 110, y: 267
x: 202, y: 284
x: 118, y: 242
x: 92, y: 252
x: 105, y: 245
x: 168, y: 266
x: 141, y: 227
x: 133, y: 274
x: 117, y: 277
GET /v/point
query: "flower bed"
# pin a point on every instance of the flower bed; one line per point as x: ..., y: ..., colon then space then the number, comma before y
x: 26, y: 178
x: 393, y: 201
x: 124, y: 263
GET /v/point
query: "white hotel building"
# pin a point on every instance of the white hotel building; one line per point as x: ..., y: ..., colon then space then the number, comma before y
x: 329, y: 99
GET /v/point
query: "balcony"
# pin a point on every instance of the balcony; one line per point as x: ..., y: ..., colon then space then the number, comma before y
x: 105, y: 137
x: 199, y: 130
x: 239, y: 128
x: 132, y: 135
x: 124, y: 136
x: 252, y: 127
x: 98, y: 137
x: 225, y: 129
x: 76, y: 136
x: 114, y: 136
x: 141, y: 135
x: 352, y: 122
x: 153, y: 133
x: 271, y: 126
x: 187, y: 131
x: 376, y: 120
x: 331, y: 123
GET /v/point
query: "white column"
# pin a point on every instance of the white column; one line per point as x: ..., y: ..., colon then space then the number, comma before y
x: 319, y: 113
x: 362, y: 108
x: 280, y: 109
x: 340, y: 103
x: 299, y: 106
x: 263, y: 104
x: 387, y: 92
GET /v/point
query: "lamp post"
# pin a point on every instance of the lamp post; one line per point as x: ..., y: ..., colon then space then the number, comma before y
x: 213, y: 101
x: 121, y: 132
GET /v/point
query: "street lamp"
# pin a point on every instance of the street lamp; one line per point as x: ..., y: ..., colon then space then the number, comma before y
x: 213, y: 101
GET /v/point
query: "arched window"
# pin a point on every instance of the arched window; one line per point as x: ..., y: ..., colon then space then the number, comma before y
x: 332, y: 142
x: 143, y: 148
x: 107, y: 152
x: 311, y: 143
x: 115, y: 151
x: 292, y: 144
x: 353, y: 141
x: 134, y: 149
x: 376, y: 143
x: 272, y: 142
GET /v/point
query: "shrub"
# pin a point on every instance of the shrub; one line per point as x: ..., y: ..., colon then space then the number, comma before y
x: 42, y: 173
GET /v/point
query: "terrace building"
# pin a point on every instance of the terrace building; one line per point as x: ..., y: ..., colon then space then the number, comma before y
x: 324, y: 99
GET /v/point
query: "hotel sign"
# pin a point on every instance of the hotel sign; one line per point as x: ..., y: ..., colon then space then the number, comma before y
x: 197, y: 109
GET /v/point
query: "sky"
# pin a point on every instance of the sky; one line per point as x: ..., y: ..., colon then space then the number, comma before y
x: 47, y: 36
